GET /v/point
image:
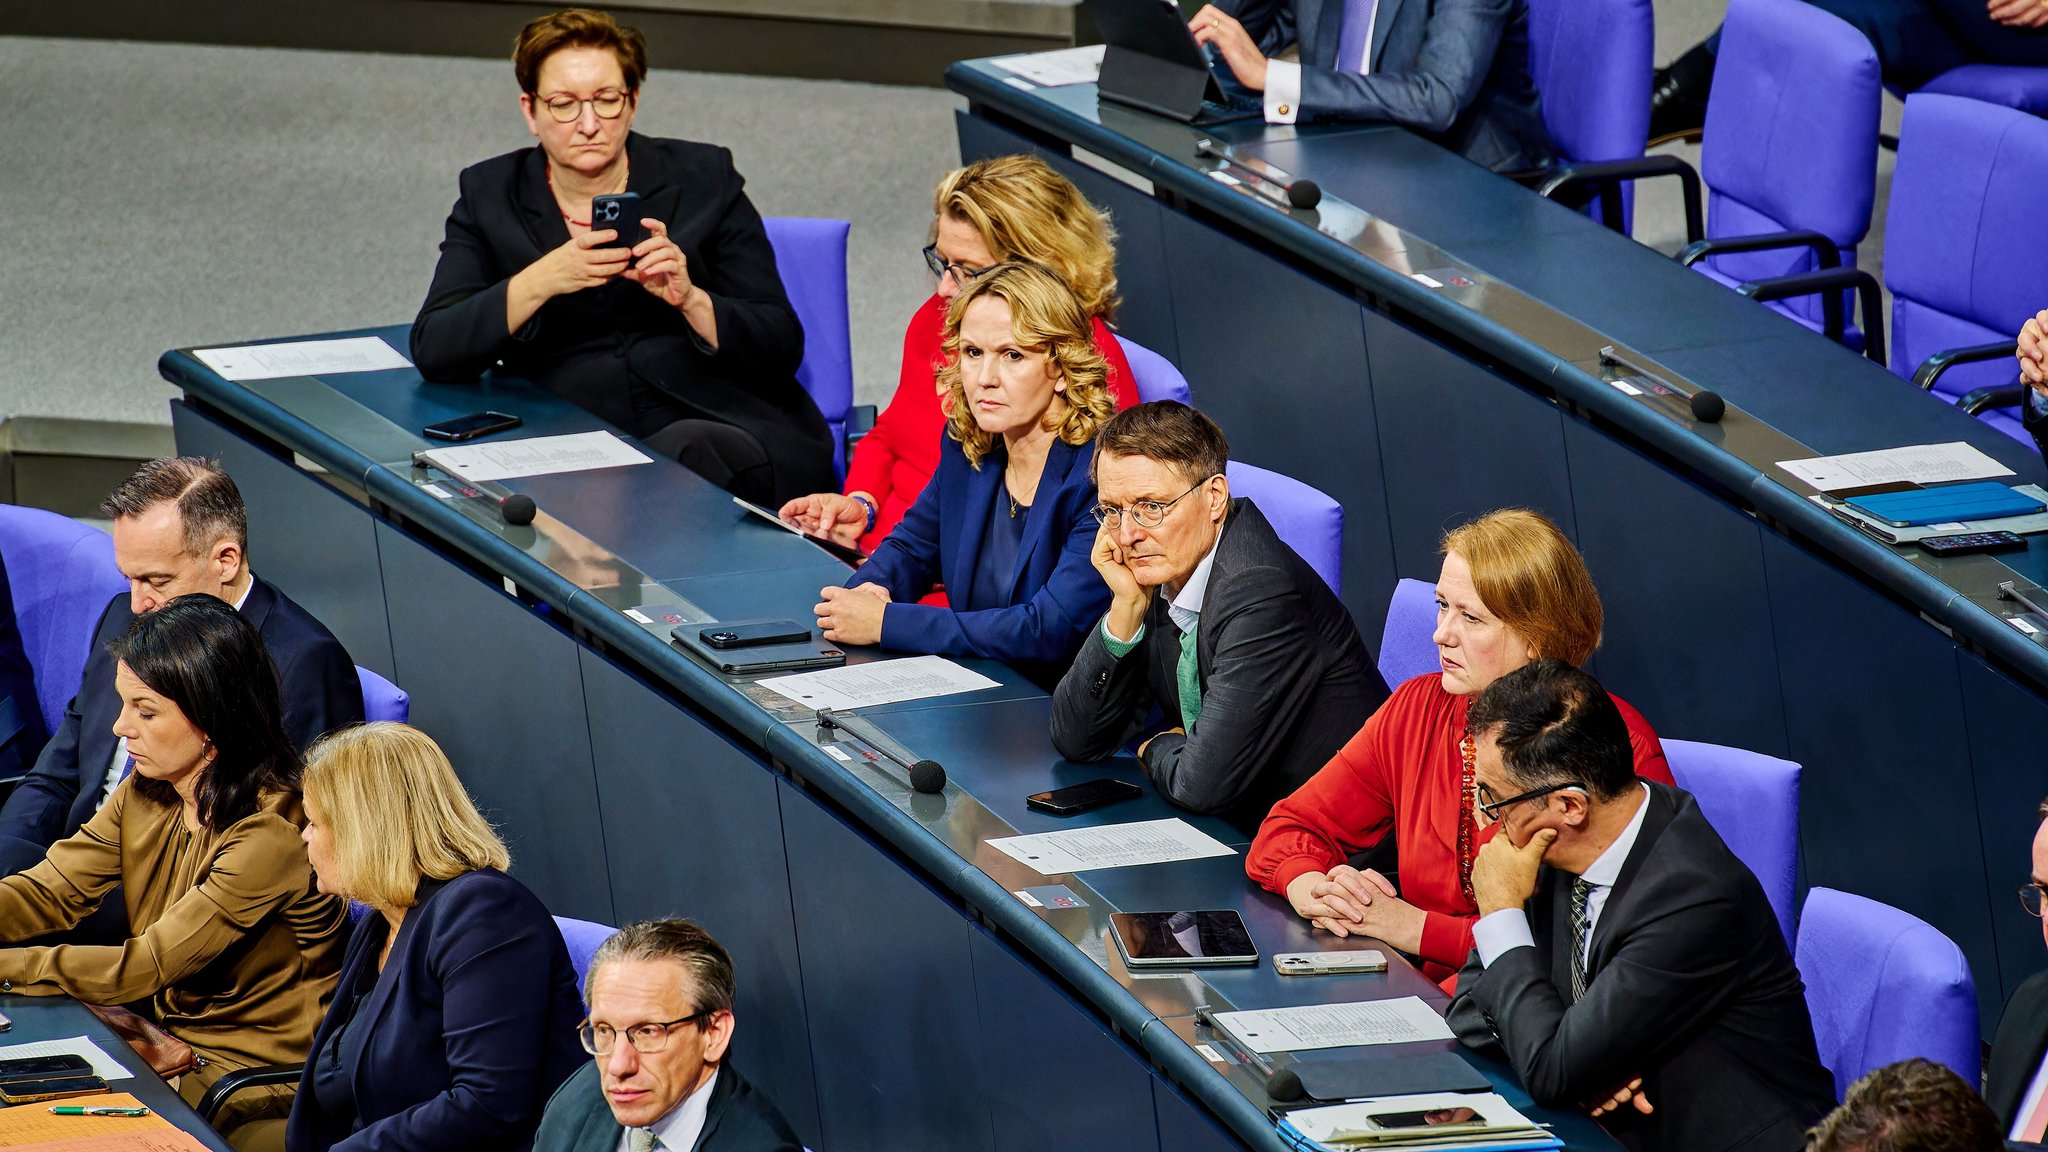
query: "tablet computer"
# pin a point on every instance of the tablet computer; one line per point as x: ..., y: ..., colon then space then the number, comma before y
x: 852, y: 556
x: 1182, y: 939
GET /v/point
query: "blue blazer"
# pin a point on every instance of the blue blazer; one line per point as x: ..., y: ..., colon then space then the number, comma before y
x: 1054, y: 596
x: 465, y: 1034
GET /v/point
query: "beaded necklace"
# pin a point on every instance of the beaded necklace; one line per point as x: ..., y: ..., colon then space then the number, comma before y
x: 1468, y: 791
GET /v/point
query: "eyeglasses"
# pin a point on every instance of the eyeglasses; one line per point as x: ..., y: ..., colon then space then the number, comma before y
x: 2031, y: 895
x: 940, y: 266
x: 1491, y: 808
x: 565, y: 109
x: 1146, y: 513
x: 600, y: 1039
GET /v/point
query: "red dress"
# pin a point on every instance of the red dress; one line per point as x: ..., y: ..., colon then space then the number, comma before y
x: 1404, y: 773
x: 896, y: 460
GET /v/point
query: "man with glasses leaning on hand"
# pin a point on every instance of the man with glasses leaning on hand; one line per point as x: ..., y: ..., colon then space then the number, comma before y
x: 660, y: 995
x: 2016, y: 1076
x: 1254, y: 662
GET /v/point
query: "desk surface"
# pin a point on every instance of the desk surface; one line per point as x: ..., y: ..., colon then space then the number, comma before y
x: 39, y: 1018
x: 656, y: 536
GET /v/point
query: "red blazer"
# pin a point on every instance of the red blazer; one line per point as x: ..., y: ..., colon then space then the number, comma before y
x: 896, y: 460
x: 1402, y: 773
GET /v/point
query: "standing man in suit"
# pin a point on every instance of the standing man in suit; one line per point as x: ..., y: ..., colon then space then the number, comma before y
x: 2016, y: 1078
x: 179, y: 528
x: 1456, y: 70
x: 1276, y: 678
x: 1625, y: 960
x: 661, y: 1022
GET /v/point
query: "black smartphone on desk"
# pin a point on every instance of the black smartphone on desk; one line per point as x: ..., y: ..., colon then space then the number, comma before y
x: 53, y: 1088
x: 43, y: 1067
x: 1079, y: 798
x: 471, y: 426
x: 754, y: 633
x: 619, y: 211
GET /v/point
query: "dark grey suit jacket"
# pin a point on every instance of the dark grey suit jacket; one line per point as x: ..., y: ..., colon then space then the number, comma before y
x: 1285, y: 681
x: 739, y: 1120
x: 1457, y: 70
x: 1690, y: 988
x: 2017, y: 1048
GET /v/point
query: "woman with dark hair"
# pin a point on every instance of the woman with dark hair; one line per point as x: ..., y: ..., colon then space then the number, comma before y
x: 233, y: 951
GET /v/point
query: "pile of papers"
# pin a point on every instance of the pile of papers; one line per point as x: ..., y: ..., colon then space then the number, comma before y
x: 1474, y: 1122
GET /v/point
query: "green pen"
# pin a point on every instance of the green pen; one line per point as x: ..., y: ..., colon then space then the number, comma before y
x: 76, y: 1110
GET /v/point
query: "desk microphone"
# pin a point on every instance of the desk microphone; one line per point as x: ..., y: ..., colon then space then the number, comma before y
x: 1282, y: 188
x: 1706, y: 405
x: 517, y: 509
x: 926, y: 776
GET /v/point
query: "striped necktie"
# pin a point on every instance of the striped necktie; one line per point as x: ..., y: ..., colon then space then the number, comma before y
x: 1581, y: 889
x: 641, y: 1140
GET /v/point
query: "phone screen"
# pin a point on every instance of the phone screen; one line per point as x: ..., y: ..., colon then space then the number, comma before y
x: 1081, y: 797
x: 1431, y: 1119
x: 473, y: 425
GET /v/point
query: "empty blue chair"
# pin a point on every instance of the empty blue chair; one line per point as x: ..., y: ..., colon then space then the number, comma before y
x: 1883, y: 987
x: 1752, y: 800
x: 62, y: 574
x: 1790, y: 160
x: 2014, y: 86
x: 1407, y: 649
x: 383, y: 700
x: 810, y: 255
x: 1304, y: 518
x: 582, y: 938
x: 1592, y: 64
x: 1155, y: 375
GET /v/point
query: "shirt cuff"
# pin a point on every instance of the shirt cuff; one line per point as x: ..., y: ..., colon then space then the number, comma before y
x: 1120, y: 648
x: 1283, y: 91
x: 1499, y: 933
x: 2037, y: 405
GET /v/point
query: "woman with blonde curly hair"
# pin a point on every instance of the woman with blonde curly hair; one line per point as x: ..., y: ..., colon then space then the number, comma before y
x: 1005, y: 208
x: 1006, y: 523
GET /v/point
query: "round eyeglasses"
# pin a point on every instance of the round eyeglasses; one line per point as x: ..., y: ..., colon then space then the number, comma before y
x: 564, y: 109
x: 2031, y: 896
x: 1144, y: 513
x: 600, y: 1039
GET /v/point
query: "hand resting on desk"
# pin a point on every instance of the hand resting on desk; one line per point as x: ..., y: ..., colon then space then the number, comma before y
x: 852, y: 615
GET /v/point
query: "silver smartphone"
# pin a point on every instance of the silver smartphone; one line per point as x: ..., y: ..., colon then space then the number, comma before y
x: 1328, y: 963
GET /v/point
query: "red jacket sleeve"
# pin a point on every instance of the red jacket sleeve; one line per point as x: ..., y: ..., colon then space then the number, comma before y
x: 912, y: 413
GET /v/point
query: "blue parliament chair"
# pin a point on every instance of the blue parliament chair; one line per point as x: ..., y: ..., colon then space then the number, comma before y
x: 2012, y: 85
x: 1592, y: 64
x: 1155, y: 375
x: 1789, y: 155
x: 1406, y: 647
x: 383, y: 700
x: 1884, y: 986
x: 62, y: 574
x: 1306, y: 519
x: 810, y: 256
x: 1752, y: 800
x: 582, y: 938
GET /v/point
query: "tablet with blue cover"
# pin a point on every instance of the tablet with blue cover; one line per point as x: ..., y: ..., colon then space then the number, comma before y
x: 1982, y: 500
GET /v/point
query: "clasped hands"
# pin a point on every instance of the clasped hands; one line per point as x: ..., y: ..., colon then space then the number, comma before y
x: 1347, y: 902
x: 852, y: 615
x: 2033, y: 345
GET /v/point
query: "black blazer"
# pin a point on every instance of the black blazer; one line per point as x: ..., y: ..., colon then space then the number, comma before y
x: 469, y: 1028
x: 22, y: 734
x: 1690, y: 987
x: 1285, y: 681
x: 2017, y: 1048
x: 316, y: 680
x: 738, y: 1119
x: 602, y: 346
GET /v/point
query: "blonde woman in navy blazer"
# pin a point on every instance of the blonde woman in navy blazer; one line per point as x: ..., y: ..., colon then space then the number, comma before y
x: 1007, y: 525
x: 456, y: 1015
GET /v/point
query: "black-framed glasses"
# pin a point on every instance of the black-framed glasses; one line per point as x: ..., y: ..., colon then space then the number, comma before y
x: 2032, y: 893
x: 609, y: 104
x: 1145, y: 513
x: 600, y: 1039
x: 940, y: 266
x: 1491, y: 808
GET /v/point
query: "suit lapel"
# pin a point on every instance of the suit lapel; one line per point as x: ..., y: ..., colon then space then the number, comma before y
x: 980, y: 496
x: 1383, y: 23
x: 1058, y: 462
x: 257, y: 605
x: 1320, y: 26
x: 381, y: 991
x: 1618, y: 906
x: 535, y: 202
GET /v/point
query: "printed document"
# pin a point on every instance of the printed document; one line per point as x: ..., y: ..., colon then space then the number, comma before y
x: 302, y: 358
x: 882, y: 682
x: 538, y: 456
x: 1402, y: 1020
x: 33, y: 1128
x: 1057, y: 68
x: 1912, y: 464
x: 1111, y: 846
x: 103, y: 1066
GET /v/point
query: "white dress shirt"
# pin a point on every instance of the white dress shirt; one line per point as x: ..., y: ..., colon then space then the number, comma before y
x: 678, y: 1131
x: 1500, y: 932
x: 1283, y: 78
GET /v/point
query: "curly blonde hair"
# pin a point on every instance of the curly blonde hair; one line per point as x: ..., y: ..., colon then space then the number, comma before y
x: 1045, y: 317
x: 1027, y: 212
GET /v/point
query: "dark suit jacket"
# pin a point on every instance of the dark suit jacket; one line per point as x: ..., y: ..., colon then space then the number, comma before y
x: 1690, y: 987
x: 2017, y: 1049
x: 739, y: 1120
x: 605, y: 346
x: 1457, y: 70
x: 22, y: 734
x: 469, y: 1028
x: 316, y: 680
x: 1054, y: 594
x: 1285, y: 681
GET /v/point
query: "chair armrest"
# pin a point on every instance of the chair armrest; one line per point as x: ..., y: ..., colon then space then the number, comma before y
x: 1578, y: 182
x: 1825, y: 251
x: 1828, y: 282
x: 1978, y: 401
x: 236, y: 1081
x: 860, y: 420
x: 1931, y: 368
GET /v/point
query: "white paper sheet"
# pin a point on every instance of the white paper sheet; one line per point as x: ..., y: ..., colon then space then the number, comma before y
x: 103, y: 1066
x: 1333, y: 1122
x: 1111, y: 846
x: 883, y: 682
x: 1402, y: 1020
x: 302, y: 358
x: 538, y: 456
x: 1057, y: 68
x: 1911, y: 464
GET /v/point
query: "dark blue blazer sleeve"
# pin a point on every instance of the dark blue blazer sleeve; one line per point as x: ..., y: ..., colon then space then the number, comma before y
x: 40, y: 808
x: 907, y: 561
